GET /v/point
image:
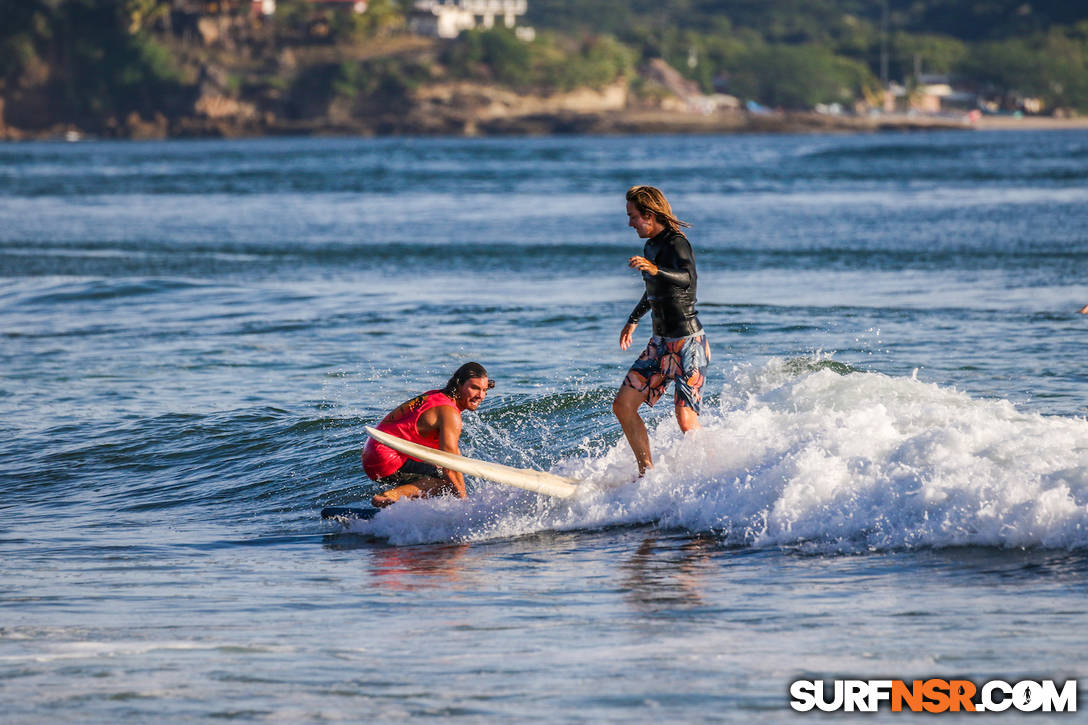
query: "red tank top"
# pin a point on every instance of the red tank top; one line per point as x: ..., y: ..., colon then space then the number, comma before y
x: 380, y: 461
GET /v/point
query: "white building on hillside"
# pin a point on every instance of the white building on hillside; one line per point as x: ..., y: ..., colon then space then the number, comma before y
x: 447, y: 18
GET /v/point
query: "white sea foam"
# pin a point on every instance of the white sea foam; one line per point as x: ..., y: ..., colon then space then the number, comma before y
x: 816, y: 459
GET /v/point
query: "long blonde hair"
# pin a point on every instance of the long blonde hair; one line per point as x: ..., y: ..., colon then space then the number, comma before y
x: 649, y: 200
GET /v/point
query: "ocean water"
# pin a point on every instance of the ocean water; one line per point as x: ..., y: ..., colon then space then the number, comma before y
x: 891, y: 481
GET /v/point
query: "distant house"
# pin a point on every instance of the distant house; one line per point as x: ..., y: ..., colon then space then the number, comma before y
x: 448, y: 18
x: 936, y: 94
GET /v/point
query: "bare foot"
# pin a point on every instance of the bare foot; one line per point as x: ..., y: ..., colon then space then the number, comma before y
x: 381, y: 501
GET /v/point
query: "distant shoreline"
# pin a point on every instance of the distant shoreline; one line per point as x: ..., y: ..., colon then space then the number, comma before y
x: 607, y: 123
x: 1030, y: 123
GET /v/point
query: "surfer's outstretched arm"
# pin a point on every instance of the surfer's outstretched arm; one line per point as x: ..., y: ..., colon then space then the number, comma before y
x: 449, y: 439
x: 1083, y: 310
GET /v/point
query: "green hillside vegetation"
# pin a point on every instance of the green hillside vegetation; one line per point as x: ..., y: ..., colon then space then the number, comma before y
x: 775, y: 51
x: 95, y: 59
x: 551, y: 62
x: 94, y: 62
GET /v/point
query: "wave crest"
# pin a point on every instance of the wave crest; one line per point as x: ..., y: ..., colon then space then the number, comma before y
x: 823, y: 459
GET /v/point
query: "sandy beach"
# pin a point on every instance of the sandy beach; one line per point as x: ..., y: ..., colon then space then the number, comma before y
x: 1029, y: 123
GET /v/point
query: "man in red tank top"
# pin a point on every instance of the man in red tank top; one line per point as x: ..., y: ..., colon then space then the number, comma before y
x: 432, y: 419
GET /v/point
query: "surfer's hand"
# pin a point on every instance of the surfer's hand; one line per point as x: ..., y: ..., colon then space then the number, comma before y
x: 643, y: 265
x: 627, y: 334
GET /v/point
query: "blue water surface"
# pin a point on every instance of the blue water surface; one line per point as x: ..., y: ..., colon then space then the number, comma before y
x: 892, y: 478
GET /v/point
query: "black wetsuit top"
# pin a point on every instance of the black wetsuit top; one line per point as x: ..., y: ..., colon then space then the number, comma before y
x: 671, y: 292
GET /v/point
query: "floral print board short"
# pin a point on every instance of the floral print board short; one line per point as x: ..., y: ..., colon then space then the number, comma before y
x: 683, y: 359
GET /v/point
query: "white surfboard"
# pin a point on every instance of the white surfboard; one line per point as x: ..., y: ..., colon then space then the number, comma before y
x: 536, y: 481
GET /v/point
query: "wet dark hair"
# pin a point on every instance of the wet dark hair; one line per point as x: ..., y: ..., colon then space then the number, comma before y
x: 650, y: 200
x: 463, y: 374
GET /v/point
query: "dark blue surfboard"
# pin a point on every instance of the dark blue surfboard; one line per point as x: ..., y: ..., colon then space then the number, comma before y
x: 348, y: 513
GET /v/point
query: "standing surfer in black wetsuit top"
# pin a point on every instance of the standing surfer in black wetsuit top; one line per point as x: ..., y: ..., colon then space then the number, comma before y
x: 678, y: 349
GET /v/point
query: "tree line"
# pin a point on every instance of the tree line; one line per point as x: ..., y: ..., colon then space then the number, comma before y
x: 797, y: 53
x: 108, y: 58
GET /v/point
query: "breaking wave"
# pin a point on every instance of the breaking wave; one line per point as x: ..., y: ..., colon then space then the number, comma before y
x: 813, y: 456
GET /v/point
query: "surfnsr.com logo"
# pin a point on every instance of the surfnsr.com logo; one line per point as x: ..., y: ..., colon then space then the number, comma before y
x: 933, y: 695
